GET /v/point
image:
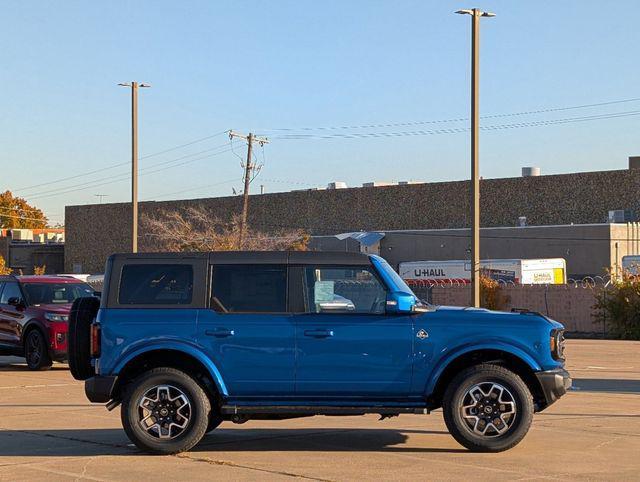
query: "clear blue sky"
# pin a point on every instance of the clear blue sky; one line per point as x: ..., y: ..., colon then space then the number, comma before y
x: 267, y: 65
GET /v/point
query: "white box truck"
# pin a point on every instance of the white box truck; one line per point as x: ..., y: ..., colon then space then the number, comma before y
x: 520, y: 271
x: 631, y: 264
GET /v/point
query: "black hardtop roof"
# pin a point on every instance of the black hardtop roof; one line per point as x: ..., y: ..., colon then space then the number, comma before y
x: 259, y: 257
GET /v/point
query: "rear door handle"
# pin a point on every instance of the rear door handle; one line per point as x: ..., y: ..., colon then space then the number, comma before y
x: 220, y: 332
x: 318, y: 333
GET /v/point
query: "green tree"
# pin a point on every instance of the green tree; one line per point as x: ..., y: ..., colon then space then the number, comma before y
x: 15, y: 212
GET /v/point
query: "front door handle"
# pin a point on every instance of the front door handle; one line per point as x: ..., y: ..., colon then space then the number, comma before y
x: 220, y: 332
x: 318, y: 333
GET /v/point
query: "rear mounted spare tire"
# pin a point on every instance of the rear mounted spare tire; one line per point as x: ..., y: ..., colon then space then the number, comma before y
x: 83, y: 312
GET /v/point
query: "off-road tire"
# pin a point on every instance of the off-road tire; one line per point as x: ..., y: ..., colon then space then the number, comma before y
x: 487, y: 373
x: 199, y: 416
x: 83, y: 312
x: 36, y: 350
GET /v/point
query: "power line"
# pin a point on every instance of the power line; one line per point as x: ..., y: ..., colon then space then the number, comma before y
x: 120, y: 178
x: 457, y: 130
x: 127, y: 175
x: 21, y: 217
x: 458, y: 119
x: 113, y: 166
x: 194, y: 188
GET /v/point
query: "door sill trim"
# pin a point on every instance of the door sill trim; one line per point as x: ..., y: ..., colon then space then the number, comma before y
x: 318, y: 410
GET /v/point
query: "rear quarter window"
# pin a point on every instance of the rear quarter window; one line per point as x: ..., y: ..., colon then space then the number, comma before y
x: 156, y: 284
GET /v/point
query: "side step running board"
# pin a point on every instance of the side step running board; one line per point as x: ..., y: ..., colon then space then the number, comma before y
x: 310, y: 410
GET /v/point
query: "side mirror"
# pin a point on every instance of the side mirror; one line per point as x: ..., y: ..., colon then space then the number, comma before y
x: 15, y: 301
x: 398, y: 302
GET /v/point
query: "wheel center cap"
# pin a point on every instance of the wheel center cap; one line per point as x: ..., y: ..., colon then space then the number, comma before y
x: 488, y: 409
x: 164, y: 412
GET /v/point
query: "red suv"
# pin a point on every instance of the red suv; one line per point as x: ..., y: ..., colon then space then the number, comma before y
x: 34, y: 313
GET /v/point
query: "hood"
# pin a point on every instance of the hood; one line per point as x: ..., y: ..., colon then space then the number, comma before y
x: 509, y: 316
x: 58, y: 308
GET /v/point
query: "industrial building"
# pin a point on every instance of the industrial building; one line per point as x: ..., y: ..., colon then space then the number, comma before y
x: 589, y: 249
x: 563, y: 215
x: 24, y: 249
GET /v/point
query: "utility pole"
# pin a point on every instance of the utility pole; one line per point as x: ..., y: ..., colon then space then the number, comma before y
x: 475, y: 166
x: 134, y: 161
x: 248, y: 171
x: 101, y: 196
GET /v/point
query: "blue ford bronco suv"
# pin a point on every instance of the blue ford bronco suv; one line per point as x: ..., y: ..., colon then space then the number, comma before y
x: 186, y: 341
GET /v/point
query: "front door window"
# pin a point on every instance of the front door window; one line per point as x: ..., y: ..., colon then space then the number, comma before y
x: 343, y: 290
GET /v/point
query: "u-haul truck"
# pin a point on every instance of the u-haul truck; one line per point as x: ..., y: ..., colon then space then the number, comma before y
x: 520, y: 271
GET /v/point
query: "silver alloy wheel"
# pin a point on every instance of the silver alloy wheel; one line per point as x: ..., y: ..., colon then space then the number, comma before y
x: 164, y: 411
x: 488, y: 409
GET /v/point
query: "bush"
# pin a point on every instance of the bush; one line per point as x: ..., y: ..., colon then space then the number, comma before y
x: 619, y: 307
x: 491, y: 296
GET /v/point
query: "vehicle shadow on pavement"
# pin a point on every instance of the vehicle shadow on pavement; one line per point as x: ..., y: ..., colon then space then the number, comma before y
x: 606, y: 385
x: 80, y: 442
x: 326, y: 440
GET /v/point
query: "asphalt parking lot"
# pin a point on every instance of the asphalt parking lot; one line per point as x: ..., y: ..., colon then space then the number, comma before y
x: 49, y: 431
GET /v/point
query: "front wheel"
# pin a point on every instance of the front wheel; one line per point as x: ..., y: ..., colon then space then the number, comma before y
x: 36, y: 351
x: 488, y: 408
x: 165, y: 411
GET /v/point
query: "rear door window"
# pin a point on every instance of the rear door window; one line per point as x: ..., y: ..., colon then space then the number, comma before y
x: 249, y: 288
x: 156, y: 284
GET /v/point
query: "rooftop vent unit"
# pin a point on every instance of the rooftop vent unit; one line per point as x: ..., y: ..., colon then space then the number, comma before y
x: 621, y: 216
x: 337, y: 185
x: 530, y: 171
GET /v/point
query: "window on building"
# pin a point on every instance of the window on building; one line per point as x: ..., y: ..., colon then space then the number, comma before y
x: 346, y: 289
x: 156, y: 284
x: 249, y: 288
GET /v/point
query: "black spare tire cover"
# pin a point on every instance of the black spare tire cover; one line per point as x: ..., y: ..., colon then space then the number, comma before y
x: 83, y: 312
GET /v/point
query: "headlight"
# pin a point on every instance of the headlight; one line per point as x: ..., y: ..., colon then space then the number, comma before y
x: 56, y: 317
x: 557, y: 344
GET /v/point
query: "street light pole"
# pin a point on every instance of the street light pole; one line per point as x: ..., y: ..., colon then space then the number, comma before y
x: 475, y: 167
x: 134, y: 161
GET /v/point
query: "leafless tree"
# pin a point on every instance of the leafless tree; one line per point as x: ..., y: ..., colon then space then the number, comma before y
x: 194, y: 229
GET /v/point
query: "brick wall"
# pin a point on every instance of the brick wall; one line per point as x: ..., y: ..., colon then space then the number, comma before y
x: 95, y: 231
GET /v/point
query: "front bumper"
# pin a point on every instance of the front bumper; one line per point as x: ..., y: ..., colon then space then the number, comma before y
x: 99, y: 389
x: 554, y: 383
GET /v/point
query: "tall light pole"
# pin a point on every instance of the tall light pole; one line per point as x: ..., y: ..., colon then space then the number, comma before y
x: 475, y: 173
x: 134, y: 161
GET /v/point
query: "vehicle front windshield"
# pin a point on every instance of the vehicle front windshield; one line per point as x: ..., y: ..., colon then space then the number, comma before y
x: 55, y: 293
x: 397, y: 280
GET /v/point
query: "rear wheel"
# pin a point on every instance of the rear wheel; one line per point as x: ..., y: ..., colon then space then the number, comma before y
x: 488, y: 408
x: 83, y: 312
x: 165, y: 411
x: 36, y: 351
